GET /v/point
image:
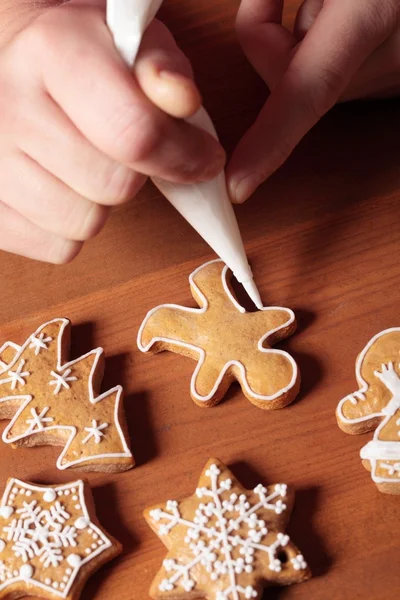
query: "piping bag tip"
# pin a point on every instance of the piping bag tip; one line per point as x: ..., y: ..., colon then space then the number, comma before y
x: 253, y: 293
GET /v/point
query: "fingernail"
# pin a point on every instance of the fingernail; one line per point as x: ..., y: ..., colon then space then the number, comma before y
x: 243, y: 189
x: 175, y: 77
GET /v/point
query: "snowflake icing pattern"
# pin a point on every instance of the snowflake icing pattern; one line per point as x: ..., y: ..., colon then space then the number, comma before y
x: 46, y: 536
x: 226, y: 537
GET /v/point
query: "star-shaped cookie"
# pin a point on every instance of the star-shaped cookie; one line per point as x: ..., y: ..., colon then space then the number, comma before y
x: 225, y: 542
x: 228, y: 342
x: 50, y: 540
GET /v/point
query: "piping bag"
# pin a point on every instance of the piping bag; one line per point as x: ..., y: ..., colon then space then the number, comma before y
x: 205, y: 205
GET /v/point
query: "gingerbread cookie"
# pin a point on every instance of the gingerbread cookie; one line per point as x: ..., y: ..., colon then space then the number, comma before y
x: 50, y: 540
x: 52, y: 402
x: 225, y: 542
x: 376, y: 406
x: 227, y: 342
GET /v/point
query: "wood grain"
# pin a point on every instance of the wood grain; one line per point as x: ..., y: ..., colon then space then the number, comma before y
x: 323, y: 236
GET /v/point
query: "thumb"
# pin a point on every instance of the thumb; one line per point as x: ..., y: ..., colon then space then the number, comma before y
x: 341, y: 38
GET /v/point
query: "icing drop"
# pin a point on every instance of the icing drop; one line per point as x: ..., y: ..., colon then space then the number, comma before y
x: 6, y: 512
x: 74, y: 560
x: 49, y: 496
x: 81, y: 523
x: 26, y: 572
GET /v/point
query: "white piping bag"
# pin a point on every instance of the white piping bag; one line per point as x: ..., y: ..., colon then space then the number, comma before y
x: 206, y: 205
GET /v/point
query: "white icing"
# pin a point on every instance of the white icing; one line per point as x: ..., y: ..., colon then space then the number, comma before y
x: 215, y: 541
x: 6, y: 512
x: 82, y: 523
x: 16, y: 377
x: 36, y: 423
x: 62, y: 380
x: 95, y: 431
x: 49, y: 534
x: 2, y: 545
x: 202, y: 353
x: 74, y: 560
x: 360, y: 394
x: 49, y: 495
x: 40, y: 342
x: 26, y: 572
x: 126, y: 453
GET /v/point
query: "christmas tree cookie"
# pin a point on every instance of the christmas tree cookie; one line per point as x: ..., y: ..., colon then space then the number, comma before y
x: 50, y: 540
x: 376, y: 407
x: 225, y: 542
x: 54, y: 402
x: 227, y: 342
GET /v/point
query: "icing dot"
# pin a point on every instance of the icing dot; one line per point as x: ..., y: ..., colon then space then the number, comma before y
x: 2, y: 545
x: 73, y: 490
x: 6, y: 512
x: 47, y: 581
x: 15, y: 573
x: 65, y: 578
x: 94, y: 546
x: 68, y: 571
x: 81, y: 523
x: 22, y: 491
x: 88, y: 550
x: 62, y: 586
x: 77, y: 506
x: 60, y: 493
x: 10, y: 503
x: 9, y: 575
x: 75, y: 498
x: 12, y: 496
x: 66, y: 492
x: 55, y: 585
x: 90, y: 530
x: 95, y: 536
x: 26, y: 572
x: 99, y: 543
x: 28, y: 493
x: 49, y: 496
x: 74, y: 560
x: 15, y: 490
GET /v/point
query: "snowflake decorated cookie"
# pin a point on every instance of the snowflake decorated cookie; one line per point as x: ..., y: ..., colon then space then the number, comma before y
x: 50, y: 540
x: 225, y: 542
x: 54, y: 402
x: 227, y: 342
x: 376, y: 407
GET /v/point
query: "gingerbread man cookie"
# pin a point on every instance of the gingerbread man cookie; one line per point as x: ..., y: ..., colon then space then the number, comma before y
x: 376, y: 406
x: 227, y: 342
x: 225, y: 542
x: 54, y: 402
x: 50, y: 540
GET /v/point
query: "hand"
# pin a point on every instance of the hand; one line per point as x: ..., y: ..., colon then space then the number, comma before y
x: 79, y: 133
x: 340, y: 50
x: 389, y: 378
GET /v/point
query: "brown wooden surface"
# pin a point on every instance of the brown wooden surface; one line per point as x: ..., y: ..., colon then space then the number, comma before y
x: 323, y: 236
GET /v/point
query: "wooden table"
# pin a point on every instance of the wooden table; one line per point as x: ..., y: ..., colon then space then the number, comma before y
x: 323, y: 236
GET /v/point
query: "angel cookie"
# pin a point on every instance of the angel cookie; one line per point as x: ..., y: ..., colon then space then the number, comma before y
x: 50, y: 540
x: 225, y: 542
x: 54, y: 402
x: 376, y: 406
x: 228, y: 342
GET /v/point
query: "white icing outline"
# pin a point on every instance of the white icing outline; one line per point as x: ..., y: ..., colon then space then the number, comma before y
x: 97, y: 352
x: 68, y: 486
x: 361, y: 381
x: 375, y: 450
x: 202, y: 353
x: 4, y: 347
